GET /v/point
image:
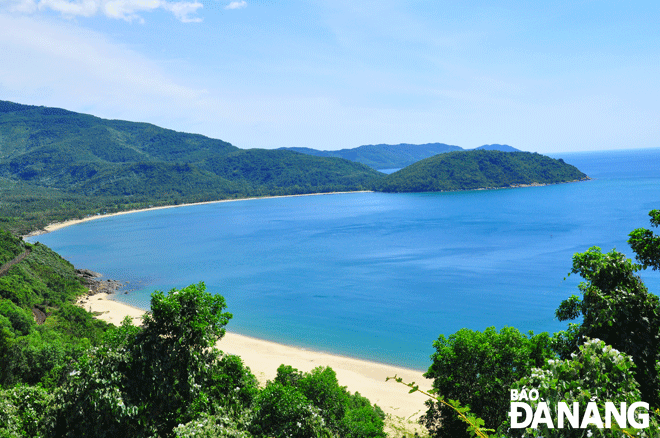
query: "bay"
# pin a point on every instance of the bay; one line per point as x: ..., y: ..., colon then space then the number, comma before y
x: 379, y: 276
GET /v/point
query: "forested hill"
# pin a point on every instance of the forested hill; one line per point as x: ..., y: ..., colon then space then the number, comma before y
x: 390, y: 156
x: 477, y: 169
x: 57, y: 164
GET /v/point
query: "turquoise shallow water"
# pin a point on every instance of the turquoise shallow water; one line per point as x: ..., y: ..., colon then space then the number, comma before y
x: 379, y: 276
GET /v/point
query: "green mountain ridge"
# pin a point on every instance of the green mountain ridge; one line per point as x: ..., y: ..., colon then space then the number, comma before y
x: 42, y: 283
x: 65, y: 163
x: 58, y: 148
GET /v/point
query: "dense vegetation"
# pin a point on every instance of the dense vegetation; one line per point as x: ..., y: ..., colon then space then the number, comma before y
x: 478, y: 368
x: 166, y: 379
x: 388, y: 156
x: 41, y: 287
x: 469, y: 170
x: 57, y: 164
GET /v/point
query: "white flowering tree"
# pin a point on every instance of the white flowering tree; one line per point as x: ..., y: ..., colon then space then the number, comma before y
x: 596, y: 374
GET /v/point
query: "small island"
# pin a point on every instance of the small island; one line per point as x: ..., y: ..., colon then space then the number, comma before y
x: 479, y: 169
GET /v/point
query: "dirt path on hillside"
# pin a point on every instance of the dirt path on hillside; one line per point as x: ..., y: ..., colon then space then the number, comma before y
x: 7, y: 266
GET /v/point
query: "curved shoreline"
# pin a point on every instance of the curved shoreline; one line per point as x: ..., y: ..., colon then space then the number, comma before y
x: 59, y: 225
x: 264, y: 357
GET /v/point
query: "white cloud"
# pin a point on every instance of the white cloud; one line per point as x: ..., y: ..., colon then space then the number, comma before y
x: 182, y: 10
x: 120, y: 9
x: 236, y: 5
x: 51, y: 63
x: 22, y: 6
x: 85, y: 8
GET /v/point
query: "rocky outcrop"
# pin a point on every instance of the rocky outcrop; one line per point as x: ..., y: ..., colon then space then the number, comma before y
x: 93, y: 281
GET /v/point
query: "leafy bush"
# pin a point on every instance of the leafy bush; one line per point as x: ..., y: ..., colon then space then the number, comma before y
x: 220, y: 425
x: 282, y: 411
x: 94, y: 400
x: 343, y: 414
x: 41, y: 357
x: 232, y: 384
x: 25, y: 411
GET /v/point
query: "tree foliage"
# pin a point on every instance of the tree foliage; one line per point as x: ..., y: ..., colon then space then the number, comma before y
x: 646, y: 244
x: 313, y: 404
x: 618, y: 309
x: 146, y: 381
x: 26, y: 411
x: 477, y: 368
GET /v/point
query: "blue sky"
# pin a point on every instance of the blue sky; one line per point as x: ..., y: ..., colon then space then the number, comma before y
x: 556, y: 77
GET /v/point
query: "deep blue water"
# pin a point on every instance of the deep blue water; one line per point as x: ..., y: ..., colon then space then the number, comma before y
x: 380, y: 276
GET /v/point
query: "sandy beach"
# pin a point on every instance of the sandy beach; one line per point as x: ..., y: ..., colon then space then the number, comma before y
x: 263, y: 358
x: 59, y: 225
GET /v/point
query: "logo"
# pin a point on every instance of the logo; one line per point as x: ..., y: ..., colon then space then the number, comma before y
x: 522, y: 415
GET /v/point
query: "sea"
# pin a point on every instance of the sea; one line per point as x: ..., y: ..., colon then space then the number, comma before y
x: 380, y: 276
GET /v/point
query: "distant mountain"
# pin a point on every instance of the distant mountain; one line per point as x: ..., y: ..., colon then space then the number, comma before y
x: 389, y: 156
x: 384, y: 156
x: 498, y: 147
x: 478, y: 169
x: 63, y: 160
x: 79, y: 153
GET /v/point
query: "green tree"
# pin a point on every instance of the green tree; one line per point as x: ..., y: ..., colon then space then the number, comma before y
x: 283, y: 411
x: 174, y: 350
x: 25, y: 411
x: 146, y: 381
x: 343, y: 414
x: 477, y: 368
x: 95, y: 400
x: 617, y: 308
x: 646, y: 244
